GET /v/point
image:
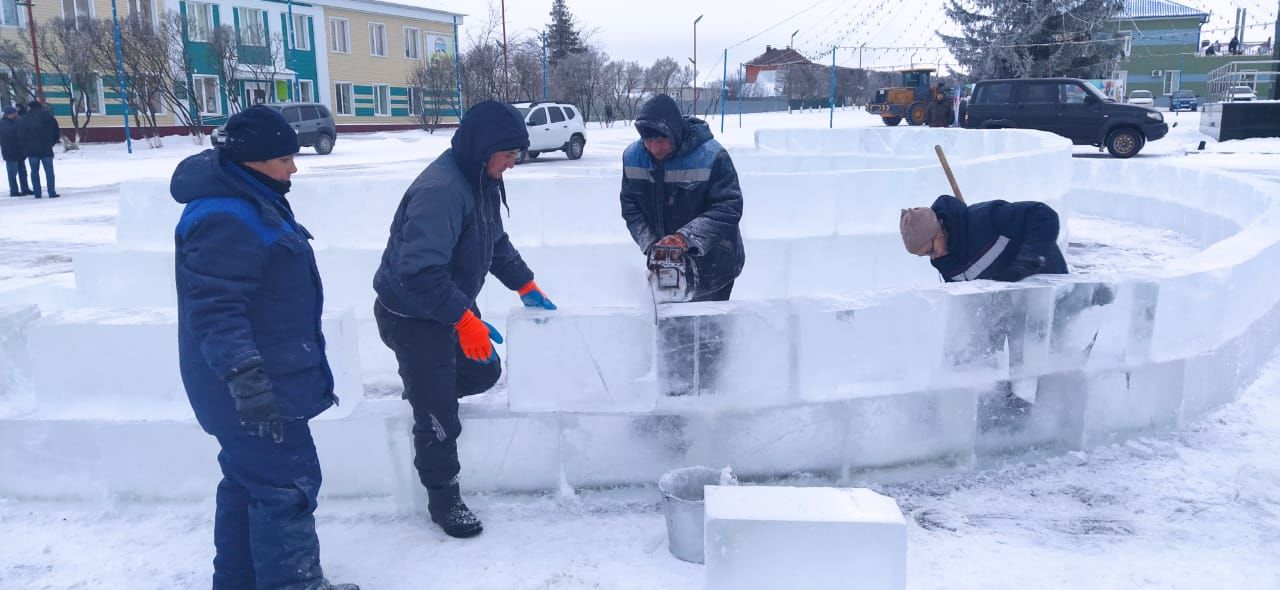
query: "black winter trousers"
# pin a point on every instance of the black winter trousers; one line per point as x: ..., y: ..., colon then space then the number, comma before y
x: 435, y: 374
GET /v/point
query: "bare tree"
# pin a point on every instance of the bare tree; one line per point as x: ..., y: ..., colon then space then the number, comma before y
x: 432, y: 90
x: 662, y: 76
x: 15, y: 78
x: 526, y: 70
x: 263, y: 64
x: 176, y: 65
x: 139, y: 39
x: 68, y: 48
x: 481, y: 63
x: 579, y: 79
x: 632, y: 89
x: 224, y: 44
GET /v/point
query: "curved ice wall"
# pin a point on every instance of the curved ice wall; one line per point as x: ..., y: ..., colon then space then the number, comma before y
x: 843, y: 355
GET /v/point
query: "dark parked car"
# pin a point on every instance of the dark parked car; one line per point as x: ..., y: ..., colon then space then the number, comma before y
x: 312, y: 121
x: 1072, y: 108
x: 1183, y: 100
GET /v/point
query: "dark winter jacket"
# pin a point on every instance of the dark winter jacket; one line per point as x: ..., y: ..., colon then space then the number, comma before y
x: 447, y: 233
x: 249, y: 294
x: 998, y: 240
x: 10, y: 142
x: 941, y: 114
x: 39, y: 132
x: 694, y: 193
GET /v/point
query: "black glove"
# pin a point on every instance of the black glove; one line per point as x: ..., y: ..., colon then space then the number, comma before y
x: 1028, y: 262
x: 256, y: 404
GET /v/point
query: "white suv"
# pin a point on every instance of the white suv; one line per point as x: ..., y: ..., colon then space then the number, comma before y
x: 553, y: 127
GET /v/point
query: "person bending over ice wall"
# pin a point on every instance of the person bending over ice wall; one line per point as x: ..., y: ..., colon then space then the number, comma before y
x: 995, y: 240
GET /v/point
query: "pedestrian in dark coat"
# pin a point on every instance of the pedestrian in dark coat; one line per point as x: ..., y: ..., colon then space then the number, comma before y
x: 995, y: 240
x: 446, y: 236
x: 680, y: 188
x: 40, y: 132
x: 15, y: 158
x: 941, y: 113
x: 1234, y: 46
x: 251, y: 351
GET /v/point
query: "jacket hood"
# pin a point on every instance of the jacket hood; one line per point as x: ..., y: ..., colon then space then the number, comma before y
x: 663, y: 115
x: 202, y: 175
x: 487, y: 128
x: 697, y: 132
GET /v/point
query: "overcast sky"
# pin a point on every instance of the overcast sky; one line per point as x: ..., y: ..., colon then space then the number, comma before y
x: 646, y: 30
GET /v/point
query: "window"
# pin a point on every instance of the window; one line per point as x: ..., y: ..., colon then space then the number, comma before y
x: 415, y: 101
x: 571, y: 113
x: 1172, y: 79
x: 378, y: 39
x: 142, y: 9
x: 256, y: 92
x: 309, y: 113
x: 339, y: 36
x: 91, y: 102
x: 1001, y: 93
x: 440, y: 46
x: 200, y: 21
x: 306, y: 90
x: 206, y: 95
x: 77, y: 8
x: 10, y: 16
x: 382, y: 99
x: 1072, y: 94
x: 411, y: 43
x: 292, y: 114
x: 1126, y: 44
x: 252, y: 31
x: 557, y: 115
x: 342, y: 99
x: 1040, y: 93
x: 538, y: 118
x: 300, y: 36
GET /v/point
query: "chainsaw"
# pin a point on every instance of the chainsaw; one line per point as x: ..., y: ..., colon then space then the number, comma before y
x: 671, y: 274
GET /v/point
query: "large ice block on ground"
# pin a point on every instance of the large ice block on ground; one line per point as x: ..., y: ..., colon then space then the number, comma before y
x: 599, y: 359
x: 127, y: 364
x: 811, y: 538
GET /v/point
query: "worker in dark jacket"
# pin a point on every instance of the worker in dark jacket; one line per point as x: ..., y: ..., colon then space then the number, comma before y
x: 251, y: 351
x: 15, y: 158
x: 679, y: 188
x: 994, y: 240
x: 40, y: 132
x: 941, y: 113
x: 446, y: 236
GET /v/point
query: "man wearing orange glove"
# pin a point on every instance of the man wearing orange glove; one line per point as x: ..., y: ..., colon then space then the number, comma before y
x: 446, y: 236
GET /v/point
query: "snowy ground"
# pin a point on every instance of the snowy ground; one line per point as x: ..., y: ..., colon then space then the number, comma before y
x: 1192, y: 510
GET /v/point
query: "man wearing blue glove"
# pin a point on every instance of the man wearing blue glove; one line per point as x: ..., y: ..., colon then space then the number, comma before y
x: 251, y: 350
x: 446, y: 236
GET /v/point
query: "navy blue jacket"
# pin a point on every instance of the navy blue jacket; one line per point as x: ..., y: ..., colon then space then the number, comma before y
x: 248, y: 294
x: 998, y: 240
x: 10, y: 141
x: 39, y: 132
x: 447, y: 234
x: 694, y: 193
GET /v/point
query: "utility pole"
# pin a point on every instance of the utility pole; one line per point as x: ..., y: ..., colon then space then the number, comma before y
x: 506, y: 82
x: 120, y: 79
x: 1275, y: 55
x: 289, y: 44
x: 544, y: 65
x: 695, y: 64
x: 457, y: 68
x: 792, y: 45
x: 35, y: 50
x: 724, y: 85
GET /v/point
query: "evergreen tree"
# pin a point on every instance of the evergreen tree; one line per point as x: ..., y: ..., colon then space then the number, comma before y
x: 563, y: 36
x: 1044, y: 38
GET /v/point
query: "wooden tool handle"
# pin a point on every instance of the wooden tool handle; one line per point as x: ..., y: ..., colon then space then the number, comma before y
x: 955, y: 187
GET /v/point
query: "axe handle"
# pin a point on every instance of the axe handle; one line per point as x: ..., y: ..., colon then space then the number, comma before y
x: 955, y: 187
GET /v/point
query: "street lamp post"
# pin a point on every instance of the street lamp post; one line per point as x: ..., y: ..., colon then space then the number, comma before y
x: 289, y: 60
x: 120, y: 79
x: 695, y: 64
x: 35, y: 52
x: 793, y: 40
x: 506, y: 83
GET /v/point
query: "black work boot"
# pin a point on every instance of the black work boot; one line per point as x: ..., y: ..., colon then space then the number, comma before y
x: 448, y: 511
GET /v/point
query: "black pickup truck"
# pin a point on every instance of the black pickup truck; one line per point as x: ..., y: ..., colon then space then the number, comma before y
x: 1072, y: 108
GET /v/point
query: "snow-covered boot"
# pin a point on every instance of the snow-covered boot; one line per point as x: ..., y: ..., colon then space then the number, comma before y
x: 447, y: 510
x: 325, y: 585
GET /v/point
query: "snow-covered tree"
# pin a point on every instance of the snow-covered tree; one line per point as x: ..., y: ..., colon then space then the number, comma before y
x: 563, y: 36
x: 1021, y: 39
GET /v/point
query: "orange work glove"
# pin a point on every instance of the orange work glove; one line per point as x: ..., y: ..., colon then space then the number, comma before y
x: 473, y: 337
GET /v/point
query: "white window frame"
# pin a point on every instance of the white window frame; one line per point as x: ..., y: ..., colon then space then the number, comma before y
x: 310, y: 94
x: 416, y: 45
x: 197, y: 30
x: 74, y: 7
x: 381, y: 39
x: 19, y: 16
x: 1171, y: 82
x: 99, y: 94
x: 335, y: 40
x: 337, y: 98
x: 1127, y: 48
x: 259, y: 29
x: 415, y: 101
x: 151, y: 7
x: 379, y: 91
x: 196, y: 82
x: 301, y: 31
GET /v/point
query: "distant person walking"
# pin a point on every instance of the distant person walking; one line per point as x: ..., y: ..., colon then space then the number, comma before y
x: 40, y: 132
x: 14, y: 156
x: 1234, y: 46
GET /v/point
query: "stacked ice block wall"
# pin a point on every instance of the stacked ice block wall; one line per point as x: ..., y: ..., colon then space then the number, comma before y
x: 839, y: 355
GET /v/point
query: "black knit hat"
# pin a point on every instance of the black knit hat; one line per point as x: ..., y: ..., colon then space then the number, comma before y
x: 257, y: 134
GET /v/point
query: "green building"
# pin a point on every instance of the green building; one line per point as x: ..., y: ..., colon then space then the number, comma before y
x: 1164, y: 50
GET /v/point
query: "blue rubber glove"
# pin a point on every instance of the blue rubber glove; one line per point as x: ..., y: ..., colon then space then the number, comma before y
x: 495, y: 336
x: 532, y: 296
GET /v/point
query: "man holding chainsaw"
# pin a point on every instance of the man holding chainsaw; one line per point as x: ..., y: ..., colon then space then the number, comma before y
x: 681, y: 201
x: 445, y: 238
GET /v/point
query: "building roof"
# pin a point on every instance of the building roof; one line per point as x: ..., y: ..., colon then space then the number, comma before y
x: 1158, y: 9
x: 777, y: 57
